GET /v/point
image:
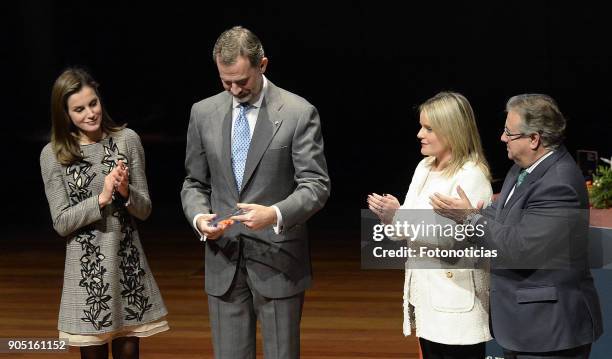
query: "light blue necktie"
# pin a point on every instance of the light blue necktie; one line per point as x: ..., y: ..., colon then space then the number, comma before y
x: 240, y: 144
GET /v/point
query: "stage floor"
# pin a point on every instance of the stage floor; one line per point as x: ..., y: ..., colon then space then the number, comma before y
x: 348, y: 313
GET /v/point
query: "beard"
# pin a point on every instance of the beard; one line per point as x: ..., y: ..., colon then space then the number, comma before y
x: 244, y: 98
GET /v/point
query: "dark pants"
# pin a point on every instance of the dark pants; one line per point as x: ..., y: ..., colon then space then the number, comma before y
x: 581, y: 352
x: 233, y: 321
x: 433, y: 350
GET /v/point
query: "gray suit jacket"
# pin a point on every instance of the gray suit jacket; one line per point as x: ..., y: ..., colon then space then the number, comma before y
x: 543, y: 225
x: 285, y: 167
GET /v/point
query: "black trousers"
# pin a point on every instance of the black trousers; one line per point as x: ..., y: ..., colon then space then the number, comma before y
x: 581, y: 352
x: 433, y: 350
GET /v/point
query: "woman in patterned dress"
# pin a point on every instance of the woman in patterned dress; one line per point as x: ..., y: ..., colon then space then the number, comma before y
x: 94, y: 177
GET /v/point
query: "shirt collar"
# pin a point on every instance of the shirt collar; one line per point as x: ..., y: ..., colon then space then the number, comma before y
x: 533, y: 166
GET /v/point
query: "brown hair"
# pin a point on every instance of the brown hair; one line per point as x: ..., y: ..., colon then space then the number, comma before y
x: 64, y: 134
x: 238, y: 41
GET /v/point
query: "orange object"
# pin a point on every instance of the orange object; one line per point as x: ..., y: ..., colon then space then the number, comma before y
x: 226, y: 222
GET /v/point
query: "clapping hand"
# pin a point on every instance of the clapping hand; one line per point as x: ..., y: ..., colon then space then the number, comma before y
x: 383, y: 206
x: 122, y: 179
x: 116, y: 180
x: 456, y: 209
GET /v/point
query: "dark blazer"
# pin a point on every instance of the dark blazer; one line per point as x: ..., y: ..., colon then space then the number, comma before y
x: 542, y: 292
x: 285, y: 167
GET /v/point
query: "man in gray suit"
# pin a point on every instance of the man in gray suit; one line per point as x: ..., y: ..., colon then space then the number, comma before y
x: 257, y: 147
x: 543, y: 301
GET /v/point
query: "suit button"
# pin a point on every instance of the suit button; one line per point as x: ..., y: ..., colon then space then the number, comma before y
x: 449, y: 275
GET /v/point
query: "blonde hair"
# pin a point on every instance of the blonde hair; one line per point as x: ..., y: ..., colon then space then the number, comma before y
x: 452, y: 119
x: 64, y: 134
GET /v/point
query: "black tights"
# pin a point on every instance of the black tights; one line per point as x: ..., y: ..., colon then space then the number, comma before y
x: 123, y: 348
x: 433, y: 350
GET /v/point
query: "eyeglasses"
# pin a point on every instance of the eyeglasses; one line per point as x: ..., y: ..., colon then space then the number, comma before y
x: 515, y: 135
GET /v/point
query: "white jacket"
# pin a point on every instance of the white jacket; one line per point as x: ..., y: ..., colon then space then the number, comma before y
x: 448, y: 306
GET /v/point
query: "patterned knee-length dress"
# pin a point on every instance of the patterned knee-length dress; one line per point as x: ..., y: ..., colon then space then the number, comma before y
x: 108, y: 284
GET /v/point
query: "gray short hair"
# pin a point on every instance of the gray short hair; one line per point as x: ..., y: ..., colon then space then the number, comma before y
x: 539, y: 114
x: 238, y: 41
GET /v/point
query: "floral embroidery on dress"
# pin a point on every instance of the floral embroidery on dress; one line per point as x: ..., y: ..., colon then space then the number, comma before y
x: 112, y: 156
x: 92, y: 274
x: 92, y: 271
x: 79, y: 188
x: 132, y: 272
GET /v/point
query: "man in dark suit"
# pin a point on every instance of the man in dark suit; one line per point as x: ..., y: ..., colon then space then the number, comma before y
x: 257, y: 147
x: 543, y: 301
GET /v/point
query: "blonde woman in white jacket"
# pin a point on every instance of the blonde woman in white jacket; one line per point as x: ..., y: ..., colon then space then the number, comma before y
x: 449, y: 308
